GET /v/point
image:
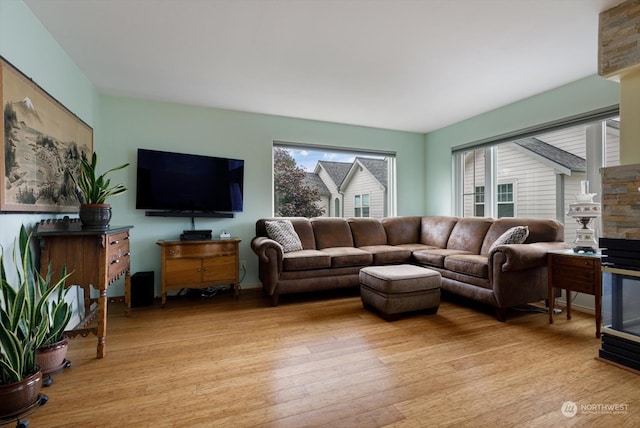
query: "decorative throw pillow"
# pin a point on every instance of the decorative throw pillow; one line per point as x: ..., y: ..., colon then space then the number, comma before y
x: 515, y: 235
x: 282, y: 231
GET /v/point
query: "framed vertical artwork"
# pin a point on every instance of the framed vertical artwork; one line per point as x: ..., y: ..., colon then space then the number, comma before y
x: 43, y: 143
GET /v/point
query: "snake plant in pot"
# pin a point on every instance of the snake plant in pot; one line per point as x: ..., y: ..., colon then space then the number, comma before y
x: 95, y: 213
x: 24, y: 325
x: 52, y: 352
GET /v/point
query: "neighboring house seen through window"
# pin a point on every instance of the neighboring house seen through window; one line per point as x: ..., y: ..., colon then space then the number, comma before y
x: 537, y: 173
x: 312, y: 181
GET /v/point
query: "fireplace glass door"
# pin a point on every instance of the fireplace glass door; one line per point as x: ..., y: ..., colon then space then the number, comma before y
x: 621, y: 302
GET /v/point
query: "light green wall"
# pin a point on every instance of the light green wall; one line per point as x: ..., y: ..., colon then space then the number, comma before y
x: 590, y: 93
x: 26, y: 44
x: 129, y: 124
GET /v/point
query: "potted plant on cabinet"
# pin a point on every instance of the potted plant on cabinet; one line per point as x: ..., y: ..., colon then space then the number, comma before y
x: 23, y: 328
x: 95, y: 213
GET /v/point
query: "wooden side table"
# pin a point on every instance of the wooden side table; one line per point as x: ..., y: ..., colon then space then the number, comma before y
x: 95, y: 258
x: 579, y: 272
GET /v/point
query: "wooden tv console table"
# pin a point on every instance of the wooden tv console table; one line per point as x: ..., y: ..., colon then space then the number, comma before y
x: 92, y: 257
x: 199, y: 264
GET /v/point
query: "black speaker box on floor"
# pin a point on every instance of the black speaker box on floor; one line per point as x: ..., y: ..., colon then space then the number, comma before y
x: 141, y: 289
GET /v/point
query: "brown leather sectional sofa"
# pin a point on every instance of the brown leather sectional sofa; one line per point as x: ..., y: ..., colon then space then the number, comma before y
x: 335, y: 249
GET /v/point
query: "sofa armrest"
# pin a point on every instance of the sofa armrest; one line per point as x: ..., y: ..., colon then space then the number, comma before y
x: 514, y: 257
x: 268, y: 250
x: 270, y: 255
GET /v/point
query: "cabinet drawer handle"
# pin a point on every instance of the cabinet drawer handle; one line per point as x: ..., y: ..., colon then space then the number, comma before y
x: 115, y: 242
x: 113, y: 262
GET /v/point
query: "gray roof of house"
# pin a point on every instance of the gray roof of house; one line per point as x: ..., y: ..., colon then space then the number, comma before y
x: 314, y: 181
x: 336, y: 170
x: 554, y: 154
x: 377, y: 167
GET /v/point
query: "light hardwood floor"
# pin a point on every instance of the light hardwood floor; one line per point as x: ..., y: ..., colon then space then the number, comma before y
x: 328, y: 362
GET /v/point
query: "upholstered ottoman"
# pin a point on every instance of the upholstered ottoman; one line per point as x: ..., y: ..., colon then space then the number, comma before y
x: 397, y: 289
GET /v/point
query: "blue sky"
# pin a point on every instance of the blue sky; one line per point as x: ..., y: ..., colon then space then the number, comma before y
x: 307, y: 159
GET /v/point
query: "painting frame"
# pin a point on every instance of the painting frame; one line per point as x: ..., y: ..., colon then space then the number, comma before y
x: 43, y: 143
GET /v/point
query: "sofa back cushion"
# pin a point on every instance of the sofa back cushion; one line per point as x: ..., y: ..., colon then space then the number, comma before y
x: 367, y: 231
x: 331, y: 232
x: 435, y: 230
x: 469, y: 233
x: 402, y: 230
x: 540, y: 230
x: 301, y: 225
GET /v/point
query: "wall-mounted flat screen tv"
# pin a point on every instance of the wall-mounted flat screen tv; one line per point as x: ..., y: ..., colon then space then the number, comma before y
x: 183, y: 182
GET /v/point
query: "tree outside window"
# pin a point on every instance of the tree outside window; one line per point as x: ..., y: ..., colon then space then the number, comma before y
x: 292, y: 196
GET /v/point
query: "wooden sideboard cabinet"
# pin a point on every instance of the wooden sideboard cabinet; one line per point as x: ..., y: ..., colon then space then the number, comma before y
x: 199, y: 264
x: 95, y: 258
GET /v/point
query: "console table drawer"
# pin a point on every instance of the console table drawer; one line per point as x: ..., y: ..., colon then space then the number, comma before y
x: 200, y: 250
x: 561, y: 262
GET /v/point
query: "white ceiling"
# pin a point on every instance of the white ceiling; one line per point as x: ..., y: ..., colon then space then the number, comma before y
x: 414, y: 65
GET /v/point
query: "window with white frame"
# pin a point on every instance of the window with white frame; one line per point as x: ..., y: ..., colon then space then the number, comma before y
x: 330, y: 181
x: 361, y: 204
x: 506, y: 207
x: 536, y: 173
x: 478, y: 209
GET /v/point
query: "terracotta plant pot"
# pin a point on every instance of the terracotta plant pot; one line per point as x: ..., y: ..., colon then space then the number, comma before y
x: 17, y: 396
x: 51, y: 358
x: 95, y: 216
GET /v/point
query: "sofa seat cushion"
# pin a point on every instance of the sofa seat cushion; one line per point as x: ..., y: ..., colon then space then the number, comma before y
x: 469, y: 264
x: 449, y: 278
x: 386, y: 254
x: 348, y: 256
x: 436, y: 256
x: 416, y: 247
x: 305, y: 259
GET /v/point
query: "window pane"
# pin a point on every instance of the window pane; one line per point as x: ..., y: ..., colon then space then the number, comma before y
x: 612, y: 143
x: 539, y: 176
x: 479, y: 194
x: 473, y: 182
x: 505, y: 210
x: 505, y: 192
x: 312, y: 182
